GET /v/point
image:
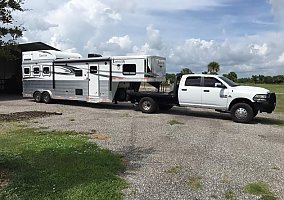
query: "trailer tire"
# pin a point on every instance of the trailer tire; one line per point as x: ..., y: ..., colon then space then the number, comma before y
x: 46, y: 97
x: 242, y: 113
x: 148, y: 105
x: 37, y: 97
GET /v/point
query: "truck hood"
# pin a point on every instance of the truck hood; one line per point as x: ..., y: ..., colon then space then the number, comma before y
x: 250, y: 89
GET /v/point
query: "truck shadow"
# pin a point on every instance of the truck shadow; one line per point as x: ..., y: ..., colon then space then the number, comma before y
x: 199, y: 114
x: 268, y: 121
x: 119, y: 106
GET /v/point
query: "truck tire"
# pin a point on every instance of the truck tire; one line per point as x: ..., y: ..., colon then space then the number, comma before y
x: 242, y: 113
x: 37, y: 97
x: 165, y: 107
x: 46, y: 97
x: 148, y: 105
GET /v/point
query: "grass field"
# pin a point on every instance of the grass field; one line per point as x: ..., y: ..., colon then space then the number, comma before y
x: 56, y: 165
x: 277, y: 89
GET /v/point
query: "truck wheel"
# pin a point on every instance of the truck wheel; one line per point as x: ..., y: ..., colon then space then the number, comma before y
x: 242, y: 113
x: 165, y: 107
x: 37, y: 97
x: 46, y: 97
x: 148, y: 105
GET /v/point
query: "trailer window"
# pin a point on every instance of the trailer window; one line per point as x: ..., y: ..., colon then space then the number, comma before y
x: 27, y: 71
x: 129, y: 69
x: 78, y: 72
x: 36, y: 70
x: 193, y: 81
x: 46, y: 71
x: 93, y: 69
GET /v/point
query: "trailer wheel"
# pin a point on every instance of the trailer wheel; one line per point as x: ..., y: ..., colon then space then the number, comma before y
x: 37, y: 97
x: 148, y: 105
x: 46, y: 97
x: 242, y: 113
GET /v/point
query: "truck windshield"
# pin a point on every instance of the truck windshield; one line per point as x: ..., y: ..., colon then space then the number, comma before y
x: 228, y: 81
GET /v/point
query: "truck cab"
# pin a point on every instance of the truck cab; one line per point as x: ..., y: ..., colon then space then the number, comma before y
x: 222, y: 94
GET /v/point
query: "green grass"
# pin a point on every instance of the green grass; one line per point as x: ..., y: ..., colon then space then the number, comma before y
x: 173, y: 122
x: 194, y: 182
x: 268, y: 121
x: 260, y: 189
x: 174, y: 170
x: 277, y: 88
x: 57, y: 165
x: 230, y: 195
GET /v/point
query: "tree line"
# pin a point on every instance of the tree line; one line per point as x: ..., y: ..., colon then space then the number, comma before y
x: 214, y: 68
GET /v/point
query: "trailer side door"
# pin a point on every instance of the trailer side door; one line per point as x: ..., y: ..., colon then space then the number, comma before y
x: 93, y: 75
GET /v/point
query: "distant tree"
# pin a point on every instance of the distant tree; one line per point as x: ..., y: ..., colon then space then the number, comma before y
x: 205, y: 72
x: 233, y: 76
x: 185, y: 71
x: 170, y: 77
x: 213, y: 68
x: 9, y: 32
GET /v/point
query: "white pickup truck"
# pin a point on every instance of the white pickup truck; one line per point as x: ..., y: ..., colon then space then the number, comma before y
x: 209, y: 91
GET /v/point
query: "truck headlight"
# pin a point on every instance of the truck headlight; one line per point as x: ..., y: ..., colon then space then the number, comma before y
x: 260, y: 97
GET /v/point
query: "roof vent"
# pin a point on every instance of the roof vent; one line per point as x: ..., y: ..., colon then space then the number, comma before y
x: 94, y: 55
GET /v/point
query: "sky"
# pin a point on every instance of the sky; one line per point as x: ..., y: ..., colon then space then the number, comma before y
x: 244, y: 36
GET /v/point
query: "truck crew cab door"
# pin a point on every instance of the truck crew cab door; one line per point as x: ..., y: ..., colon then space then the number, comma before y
x: 190, y: 91
x: 214, y: 93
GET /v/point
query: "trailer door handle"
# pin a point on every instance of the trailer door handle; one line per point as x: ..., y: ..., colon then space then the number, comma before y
x: 183, y: 89
x: 206, y: 90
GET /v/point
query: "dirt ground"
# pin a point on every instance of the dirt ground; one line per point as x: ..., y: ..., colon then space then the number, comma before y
x: 180, y: 154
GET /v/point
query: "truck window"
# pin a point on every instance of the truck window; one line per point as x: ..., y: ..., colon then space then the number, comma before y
x: 129, y: 69
x: 193, y: 81
x: 93, y: 69
x: 210, y: 82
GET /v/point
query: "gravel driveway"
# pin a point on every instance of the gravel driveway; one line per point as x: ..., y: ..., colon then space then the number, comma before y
x: 206, y: 156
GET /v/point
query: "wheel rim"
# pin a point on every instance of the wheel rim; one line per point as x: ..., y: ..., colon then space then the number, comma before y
x: 146, y: 105
x: 37, y: 97
x: 46, y: 98
x: 241, y: 113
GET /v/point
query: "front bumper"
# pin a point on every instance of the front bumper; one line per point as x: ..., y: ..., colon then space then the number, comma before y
x: 267, y: 106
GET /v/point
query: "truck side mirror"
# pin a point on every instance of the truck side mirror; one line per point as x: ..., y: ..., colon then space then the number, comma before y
x: 220, y: 85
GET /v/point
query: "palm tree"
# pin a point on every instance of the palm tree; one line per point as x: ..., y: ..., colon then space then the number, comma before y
x: 213, y: 68
x: 186, y: 71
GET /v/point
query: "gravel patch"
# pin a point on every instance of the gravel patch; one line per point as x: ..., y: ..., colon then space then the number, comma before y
x: 206, y: 147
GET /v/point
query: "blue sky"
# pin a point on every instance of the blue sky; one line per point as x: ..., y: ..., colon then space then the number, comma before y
x: 244, y: 36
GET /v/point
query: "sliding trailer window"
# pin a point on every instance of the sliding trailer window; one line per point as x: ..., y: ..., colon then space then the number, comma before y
x: 27, y: 71
x: 36, y: 70
x: 129, y: 69
x: 93, y: 69
x: 46, y: 70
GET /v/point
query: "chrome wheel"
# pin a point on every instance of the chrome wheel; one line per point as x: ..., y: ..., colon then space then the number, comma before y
x: 241, y: 113
x: 146, y: 105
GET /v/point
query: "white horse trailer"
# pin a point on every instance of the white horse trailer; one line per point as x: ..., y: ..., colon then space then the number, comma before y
x: 56, y: 75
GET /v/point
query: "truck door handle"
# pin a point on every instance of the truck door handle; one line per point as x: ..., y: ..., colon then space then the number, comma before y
x: 183, y: 89
x: 206, y: 90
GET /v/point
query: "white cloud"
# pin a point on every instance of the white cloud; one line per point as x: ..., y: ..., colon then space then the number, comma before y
x: 154, y: 38
x: 179, y: 5
x: 121, y: 27
x: 281, y: 58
